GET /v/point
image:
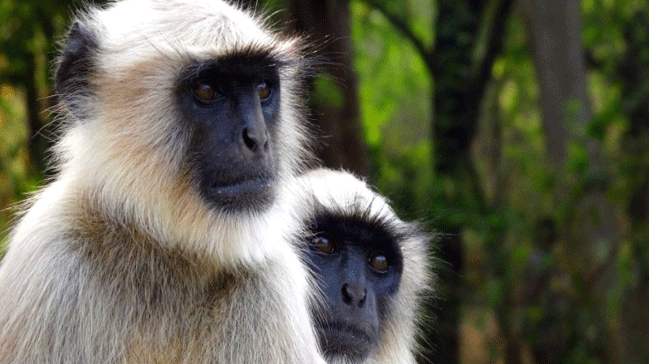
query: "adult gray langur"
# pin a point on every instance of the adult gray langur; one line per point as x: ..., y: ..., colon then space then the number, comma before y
x: 373, y: 270
x: 159, y: 239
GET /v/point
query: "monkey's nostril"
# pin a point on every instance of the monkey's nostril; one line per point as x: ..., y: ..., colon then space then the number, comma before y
x: 346, y: 294
x: 353, y: 294
x: 248, y: 141
x: 266, y: 142
x: 255, y: 140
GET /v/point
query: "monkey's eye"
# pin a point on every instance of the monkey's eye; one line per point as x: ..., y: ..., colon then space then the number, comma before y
x: 263, y: 90
x: 204, y: 92
x: 379, y: 262
x: 322, y: 244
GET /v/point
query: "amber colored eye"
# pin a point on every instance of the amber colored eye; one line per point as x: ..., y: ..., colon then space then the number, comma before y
x: 263, y: 90
x: 379, y: 262
x: 323, y: 244
x: 204, y: 92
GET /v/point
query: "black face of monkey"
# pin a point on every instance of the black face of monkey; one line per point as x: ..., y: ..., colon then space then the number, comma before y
x: 359, y: 266
x: 232, y: 104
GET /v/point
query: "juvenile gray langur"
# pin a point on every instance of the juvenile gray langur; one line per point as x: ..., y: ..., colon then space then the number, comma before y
x: 160, y: 240
x: 372, y: 267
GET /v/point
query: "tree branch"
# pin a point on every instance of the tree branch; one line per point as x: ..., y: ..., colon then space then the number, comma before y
x: 494, y: 39
x: 402, y: 26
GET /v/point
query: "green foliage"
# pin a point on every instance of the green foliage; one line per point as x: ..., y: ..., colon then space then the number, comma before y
x: 394, y: 85
x: 327, y: 92
x: 514, y: 256
x: 15, y: 178
x: 28, y: 30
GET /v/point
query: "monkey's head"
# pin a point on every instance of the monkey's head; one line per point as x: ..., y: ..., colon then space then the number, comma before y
x: 371, y: 267
x: 180, y: 112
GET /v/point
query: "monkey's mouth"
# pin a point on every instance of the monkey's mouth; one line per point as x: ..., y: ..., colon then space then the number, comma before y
x: 342, y: 339
x: 247, y: 194
x: 254, y: 185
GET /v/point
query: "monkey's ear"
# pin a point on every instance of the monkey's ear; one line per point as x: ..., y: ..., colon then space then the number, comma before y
x: 76, y: 67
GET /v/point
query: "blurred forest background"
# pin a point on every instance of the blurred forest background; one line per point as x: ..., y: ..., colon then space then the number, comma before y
x: 517, y: 130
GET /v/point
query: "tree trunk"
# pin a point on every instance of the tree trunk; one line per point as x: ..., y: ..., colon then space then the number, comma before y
x: 632, y: 75
x: 554, y: 29
x: 458, y: 89
x: 341, y: 140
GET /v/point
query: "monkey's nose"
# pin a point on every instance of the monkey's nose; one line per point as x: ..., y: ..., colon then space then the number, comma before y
x: 354, y: 294
x: 255, y: 140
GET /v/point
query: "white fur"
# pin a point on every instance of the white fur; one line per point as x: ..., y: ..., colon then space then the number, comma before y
x: 124, y: 164
x: 160, y: 37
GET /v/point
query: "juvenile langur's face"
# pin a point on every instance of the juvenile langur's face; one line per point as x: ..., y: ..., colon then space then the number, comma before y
x: 371, y: 267
x: 359, y: 265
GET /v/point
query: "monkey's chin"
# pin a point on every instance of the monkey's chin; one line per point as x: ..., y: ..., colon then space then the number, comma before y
x: 250, y: 195
x: 344, y: 341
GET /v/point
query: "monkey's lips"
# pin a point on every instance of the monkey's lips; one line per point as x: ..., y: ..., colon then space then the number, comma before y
x: 342, y: 339
x: 254, y: 193
x: 252, y: 186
